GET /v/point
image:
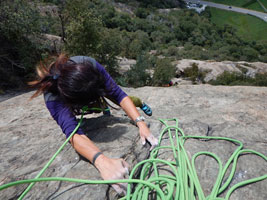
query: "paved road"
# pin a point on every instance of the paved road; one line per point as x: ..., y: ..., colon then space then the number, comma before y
x: 260, y: 15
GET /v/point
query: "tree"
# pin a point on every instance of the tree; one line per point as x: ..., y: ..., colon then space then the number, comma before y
x: 139, y: 42
x: 162, y: 3
x: 86, y: 35
x: 164, y: 72
x: 107, y: 50
x: 83, y: 34
x: 21, y: 47
x: 138, y: 75
x: 141, y: 12
x: 195, y: 74
x: 250, y: 53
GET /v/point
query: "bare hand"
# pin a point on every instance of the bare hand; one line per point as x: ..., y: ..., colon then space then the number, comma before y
x: 113, y: 169
x: 146, y: 135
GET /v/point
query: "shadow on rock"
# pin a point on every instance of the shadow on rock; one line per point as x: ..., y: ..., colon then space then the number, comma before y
x: 105, y: 128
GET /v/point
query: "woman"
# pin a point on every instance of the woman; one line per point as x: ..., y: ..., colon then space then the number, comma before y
x: 69, y: 84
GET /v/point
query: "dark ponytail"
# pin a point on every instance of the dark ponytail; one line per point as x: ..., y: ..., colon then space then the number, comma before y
x: 77, y: 84
x: 47, y: 72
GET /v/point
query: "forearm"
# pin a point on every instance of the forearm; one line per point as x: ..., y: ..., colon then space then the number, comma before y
x: 129, y: 108
x: 109, y: 168
x: 84, y: 146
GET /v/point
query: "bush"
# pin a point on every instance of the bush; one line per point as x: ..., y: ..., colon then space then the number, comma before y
x: 260, y: 79
x: 139, y: 43
x: 195, y: 74
x: 159, y: 31
x: 82, y: 33
x: 141, y: 12
x: 164, y: 72
x: 21, y: 48
x: 161, y: 3
x: 107, y: 50
x: 233, y: 78
x: 138, y: 76
x: 86, y: 35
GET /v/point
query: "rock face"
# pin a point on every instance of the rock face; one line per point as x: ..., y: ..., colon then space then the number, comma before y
x: 125, y: 64
x: 213, y: 68
x: 29, y: 137
x: 216, y: 68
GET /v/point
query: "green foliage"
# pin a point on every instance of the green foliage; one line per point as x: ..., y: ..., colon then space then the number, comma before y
x: 231, y: 78
x: 249, y: 53
x: 107, y: 50
x: 18, y: 18
x: 86, y: 35
x: 138, y: 74
x: 133, y: 44
x: 83, y: 34
x: 247, y: 27
x: 140, y: 42
x: 260, y: 79
x: 235, y: 78
x: 161, y: 3
x: 249, y: 4
x: 195, y: 74
x: 122, y: 21
x: 95, y: 28
x: 156, y: 3
x: 172, y: 51
x: 164, y: 72
x: 141, y: 12
x: 56, y: 2
x: 163, y: 32
x: 21, y: 47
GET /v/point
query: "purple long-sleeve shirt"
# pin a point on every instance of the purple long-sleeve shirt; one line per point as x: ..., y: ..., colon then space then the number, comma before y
x: 63, y: 115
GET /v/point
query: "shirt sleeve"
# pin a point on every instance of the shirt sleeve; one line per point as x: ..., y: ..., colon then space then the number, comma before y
x: 112, y: 89
x: 63, y: 116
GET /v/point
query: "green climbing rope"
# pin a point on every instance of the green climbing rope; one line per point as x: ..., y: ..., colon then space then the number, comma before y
x: 54, y: 156
x: 182, y: 183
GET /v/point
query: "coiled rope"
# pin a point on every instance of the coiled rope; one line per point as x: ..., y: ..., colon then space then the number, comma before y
x: 182, y: 184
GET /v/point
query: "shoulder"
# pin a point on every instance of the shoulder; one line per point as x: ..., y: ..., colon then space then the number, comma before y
x: 48, y: 96
x: 81, y: 59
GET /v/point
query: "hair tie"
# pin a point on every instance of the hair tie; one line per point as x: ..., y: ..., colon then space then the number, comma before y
x: 55, y: 77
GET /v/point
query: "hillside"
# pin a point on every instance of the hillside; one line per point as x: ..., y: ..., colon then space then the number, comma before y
x: 252, y: 5
x: 106, y: 30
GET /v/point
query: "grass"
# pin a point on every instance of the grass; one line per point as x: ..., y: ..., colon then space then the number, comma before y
x: 238, y: 3
x: 264, y: 2
x: 249, y: 4
x: 248, y: 27
x: 255, y: 6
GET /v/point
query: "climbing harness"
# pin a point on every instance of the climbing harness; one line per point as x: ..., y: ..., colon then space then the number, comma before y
x: 181, y: 184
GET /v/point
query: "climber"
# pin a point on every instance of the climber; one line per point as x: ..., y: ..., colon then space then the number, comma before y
x: 170, y: 83
x: 70, y: 84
